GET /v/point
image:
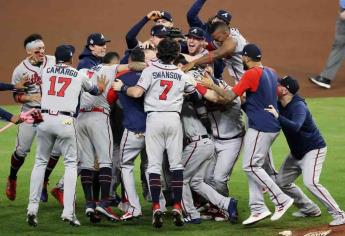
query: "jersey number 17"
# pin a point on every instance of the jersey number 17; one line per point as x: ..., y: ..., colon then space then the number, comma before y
x: 61, y: 80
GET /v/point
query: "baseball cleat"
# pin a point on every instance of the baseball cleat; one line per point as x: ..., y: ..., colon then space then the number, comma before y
x: 58, y: 195
x: 195, y: 221
x: 177, y: 216
x: 157, y: 218
x: 232, y: 211
x: 44, y: 194
x: 11, y: 189
x: 129, y: 216
x: 32, y: 220
x: 338, y: 221
x: 72, y: 220
x: 93, y: 216
x: 254, y: 218
x: 321, y: 81
x: 280, y: 211
x: 108, y: 213
x: 301, y: 214
x: 220, y: 216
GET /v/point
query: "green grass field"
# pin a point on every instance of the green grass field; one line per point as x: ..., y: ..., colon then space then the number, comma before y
x: 329, y: 114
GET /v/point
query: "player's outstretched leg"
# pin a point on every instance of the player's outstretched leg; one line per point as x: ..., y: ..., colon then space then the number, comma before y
x: 177, y: 185
x: 155, y: 188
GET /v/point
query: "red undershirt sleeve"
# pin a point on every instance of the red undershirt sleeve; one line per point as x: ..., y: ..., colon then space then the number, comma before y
x: 249, y: 81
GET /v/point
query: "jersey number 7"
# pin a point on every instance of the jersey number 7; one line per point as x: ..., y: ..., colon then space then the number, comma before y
x: 168, y: 84
x: 61, y: 80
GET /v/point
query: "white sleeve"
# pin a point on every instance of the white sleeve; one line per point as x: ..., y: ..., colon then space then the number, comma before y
x: 16, y: 77
x: 145, y: 79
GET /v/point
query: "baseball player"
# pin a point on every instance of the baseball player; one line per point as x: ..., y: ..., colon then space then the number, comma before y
x: 30, y: 67
x: 197, y: 154
x: 229, y: 44
x: 61, y: 87
x: 95, y: 140
x: 164, y: 85
x: 260, y: 85
x: 307, y: 153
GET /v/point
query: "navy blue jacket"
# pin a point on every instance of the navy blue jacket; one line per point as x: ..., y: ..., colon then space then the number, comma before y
x: 88, y: 60
x: 260, y: 85
x: 134, y: 116
x: 300, y: 130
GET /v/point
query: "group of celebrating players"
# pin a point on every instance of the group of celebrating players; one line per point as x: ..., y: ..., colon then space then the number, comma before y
x: 165, y: 100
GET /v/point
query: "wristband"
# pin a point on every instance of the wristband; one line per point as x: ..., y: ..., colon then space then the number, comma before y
x: 201, y: 89
x: 124, y: 89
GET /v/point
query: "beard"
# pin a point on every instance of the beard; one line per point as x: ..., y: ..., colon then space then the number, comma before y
x: 245, y: 67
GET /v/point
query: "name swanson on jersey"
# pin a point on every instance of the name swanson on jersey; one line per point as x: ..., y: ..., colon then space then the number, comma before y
x: 166, y: 75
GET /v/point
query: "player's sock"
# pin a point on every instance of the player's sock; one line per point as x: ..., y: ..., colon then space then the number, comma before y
x: 105, y: 182
x: 53, y: 160
x: 96, y: 185
x: 176, y: 185
x: 16, y: 163
x: 86, y: 182
x: 155, y: 187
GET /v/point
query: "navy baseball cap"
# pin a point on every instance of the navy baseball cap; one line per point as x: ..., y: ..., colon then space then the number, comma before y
x: 64, y: 53
x: 252, y: 51
x: 224, y: 15
x: 196, y: 32
x: 166, y: 15
x: 290, y: 84
x: 96, y: 39
x: 160, y: 31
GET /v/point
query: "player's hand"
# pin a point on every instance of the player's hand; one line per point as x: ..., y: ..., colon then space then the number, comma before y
x: 117, y: 85
x: 22, y: 83
x: 154, y: 15
x: 147, y: 44
x: 27, y: 116
x: 188, y: 66
x: 207, y: 81
x: 102, y: 82
x: 342, y: 15
x: 36, y: 97
x: 272, y: 110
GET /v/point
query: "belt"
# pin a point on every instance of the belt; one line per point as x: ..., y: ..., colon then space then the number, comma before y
x: 55, y: 113
x: 95, y: 109
x: 237, y: 136
x: 195, y: 139
x: 148, y: 112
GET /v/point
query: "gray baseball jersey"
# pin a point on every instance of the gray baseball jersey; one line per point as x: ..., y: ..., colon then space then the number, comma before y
x: 61, y: 88
x: 25, y: 68
x: 87, y: 100
x: 226, y: 120
x: 164, y: 86
x: 234, y: 63
x: 192, y: 126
